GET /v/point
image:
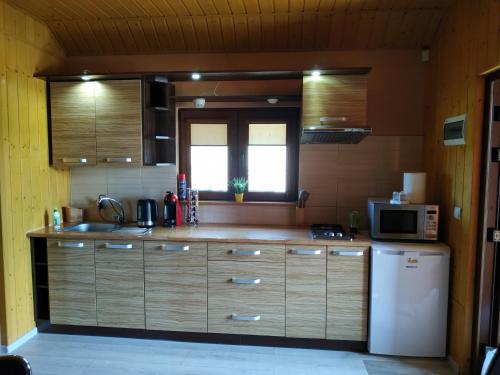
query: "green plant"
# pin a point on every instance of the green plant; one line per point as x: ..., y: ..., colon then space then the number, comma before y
x: 239, y: 184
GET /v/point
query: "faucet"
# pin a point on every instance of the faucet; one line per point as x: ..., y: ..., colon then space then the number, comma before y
x: 102, y: 200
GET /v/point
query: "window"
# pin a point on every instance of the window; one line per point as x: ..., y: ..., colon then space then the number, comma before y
x: 262, y: 145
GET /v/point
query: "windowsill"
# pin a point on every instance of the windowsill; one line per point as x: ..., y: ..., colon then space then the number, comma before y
x: 234, y: 203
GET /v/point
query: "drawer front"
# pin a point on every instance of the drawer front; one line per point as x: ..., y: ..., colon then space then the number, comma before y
x: 306, y: 291
x: 70, y: 253
x: 246, y: 252
x: 347, y: 293
x: 178, y: 254
x: 246, y: 298
x: 120, y: 284
x: 176, y: 298
x: 72, y: 294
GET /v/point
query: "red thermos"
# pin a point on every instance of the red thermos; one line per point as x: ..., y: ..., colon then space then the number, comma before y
x: 172, y: 210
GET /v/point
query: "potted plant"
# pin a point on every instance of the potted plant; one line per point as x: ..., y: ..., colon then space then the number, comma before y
x: 239, y: 185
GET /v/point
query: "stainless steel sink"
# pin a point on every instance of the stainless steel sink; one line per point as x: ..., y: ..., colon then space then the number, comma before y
x: 93, y: 227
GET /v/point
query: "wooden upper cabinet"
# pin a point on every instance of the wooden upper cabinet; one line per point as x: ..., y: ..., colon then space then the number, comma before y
x: 119, y: 122
x: 72, y: 107
x: 335, y: 96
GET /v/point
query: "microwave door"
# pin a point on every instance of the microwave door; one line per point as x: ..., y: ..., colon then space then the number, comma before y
x: 399, y: 222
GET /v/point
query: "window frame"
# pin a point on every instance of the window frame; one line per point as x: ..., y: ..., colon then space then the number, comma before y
x: 237, y: 120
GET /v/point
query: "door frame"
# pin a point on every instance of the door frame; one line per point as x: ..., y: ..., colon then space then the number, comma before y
x: 487, y: 286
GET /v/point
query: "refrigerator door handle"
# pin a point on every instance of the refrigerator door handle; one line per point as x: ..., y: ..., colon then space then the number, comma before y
x: 391, y: 252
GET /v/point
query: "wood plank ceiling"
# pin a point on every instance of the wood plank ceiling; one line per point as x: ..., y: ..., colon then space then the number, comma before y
x: 97, y: 27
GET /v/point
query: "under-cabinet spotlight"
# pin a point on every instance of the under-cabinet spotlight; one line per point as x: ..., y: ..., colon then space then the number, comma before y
x: 315, y: 73
x: 86, y: 76
x: 196, y: 76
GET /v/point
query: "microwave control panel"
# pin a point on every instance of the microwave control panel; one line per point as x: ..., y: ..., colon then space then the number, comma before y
x: 431, y: 222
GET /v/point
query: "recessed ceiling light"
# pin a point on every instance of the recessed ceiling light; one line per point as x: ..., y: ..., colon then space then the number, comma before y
x: 86, y: 76
x: 315, y: 73
x: 272, y: 100
x: 196, y: 76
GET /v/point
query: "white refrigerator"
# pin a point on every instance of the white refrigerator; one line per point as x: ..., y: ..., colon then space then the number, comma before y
x: 409, y: 299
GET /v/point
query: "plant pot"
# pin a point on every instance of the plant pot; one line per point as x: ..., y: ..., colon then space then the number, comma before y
x: 238, y: 197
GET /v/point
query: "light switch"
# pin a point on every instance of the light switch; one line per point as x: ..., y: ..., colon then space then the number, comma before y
x: 457, y: 212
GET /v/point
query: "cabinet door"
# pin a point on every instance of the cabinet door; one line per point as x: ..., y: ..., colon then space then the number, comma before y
x: 176, y: 286
x: 120, y: 283
x: 306, y: 291
x: 335, y: 96
x: 72, y: 293
x: 73, y: 121
x: 119, y: 122
x: 347, y: 293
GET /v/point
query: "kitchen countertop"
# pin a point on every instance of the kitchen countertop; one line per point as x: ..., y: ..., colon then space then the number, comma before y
x: 213, y: 233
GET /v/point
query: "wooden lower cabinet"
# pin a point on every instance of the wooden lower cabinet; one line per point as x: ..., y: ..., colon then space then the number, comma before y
x: 306, y: 291
x: 347, y: 293
x: 176, y: 286
x: 120, y: 283
x: 246, y: 298
x: 72, y: 296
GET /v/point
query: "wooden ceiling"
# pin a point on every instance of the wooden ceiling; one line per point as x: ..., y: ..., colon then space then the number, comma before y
x: 110, y: 27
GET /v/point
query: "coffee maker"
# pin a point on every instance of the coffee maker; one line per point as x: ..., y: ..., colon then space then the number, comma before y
x: 172, y: 210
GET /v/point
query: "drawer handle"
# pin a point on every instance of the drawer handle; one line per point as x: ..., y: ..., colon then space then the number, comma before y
x: 238, y: 252
x: 306, y: 251
x: 119, y: 160
x: 108, y: 245
x: 237, y: 280
x: 72, y: 245
x: 74, y: 160
x: 174, y: 248
x: 341, y: 253
x: 247, y: 318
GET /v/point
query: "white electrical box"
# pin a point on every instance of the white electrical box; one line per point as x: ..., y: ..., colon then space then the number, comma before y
x: 454, y: 130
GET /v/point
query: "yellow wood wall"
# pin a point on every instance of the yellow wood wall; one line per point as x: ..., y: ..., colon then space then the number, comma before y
x: 466, y: 45
x: 29, y: 188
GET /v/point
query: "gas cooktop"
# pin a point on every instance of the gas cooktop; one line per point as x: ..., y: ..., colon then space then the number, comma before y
x: 329, y: 232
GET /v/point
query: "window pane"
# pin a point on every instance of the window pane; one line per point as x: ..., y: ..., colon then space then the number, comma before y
x: 209, y: 134
x: 209, y: 166
x: 267, y: 134
x: 267, y: 168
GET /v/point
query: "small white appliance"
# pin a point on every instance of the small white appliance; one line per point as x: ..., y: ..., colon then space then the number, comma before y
x: 409, y: 299
x: 414, y: 222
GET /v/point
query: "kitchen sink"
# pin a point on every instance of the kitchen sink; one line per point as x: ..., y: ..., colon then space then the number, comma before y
x: 93, y: 227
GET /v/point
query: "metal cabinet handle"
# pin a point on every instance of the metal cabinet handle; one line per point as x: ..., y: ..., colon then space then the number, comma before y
x: 238, y: 252
x: 306, y: 251
x: 74, y: 160
x: 248, y: 318
x: 108, y: 245
x: 345, y: 253
x: 174, y: 248
x: 119, y: 160
x: 390, y: 252
x: 164, y: 164
x: 70, y: 244
x: 238, y: 280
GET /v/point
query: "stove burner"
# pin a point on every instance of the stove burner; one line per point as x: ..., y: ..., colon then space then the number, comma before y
x: 328, y: 232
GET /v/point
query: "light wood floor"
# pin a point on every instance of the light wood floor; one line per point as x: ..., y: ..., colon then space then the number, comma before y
x: 54, y: 354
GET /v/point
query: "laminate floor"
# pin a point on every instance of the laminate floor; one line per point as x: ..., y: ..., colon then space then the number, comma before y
x: 57, y: 354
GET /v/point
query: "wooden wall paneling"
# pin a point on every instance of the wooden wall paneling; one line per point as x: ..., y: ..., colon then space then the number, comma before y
x: 364, y: 31
x: 114, y: 36
x: 268, y: 6
x: 177, y: 37
x: 126, y: 35
x: 27, y: 186
x: 350, y: 33
x: 138, y: 36
x: 323, y: 27
x: 227, y: 27
x: 202, y: 35
x: 189, y: 33
x: 267, y: 34
x: 337, y: 30
x: 215, y: 33
x: 241, y: 29
x: 295, y: 28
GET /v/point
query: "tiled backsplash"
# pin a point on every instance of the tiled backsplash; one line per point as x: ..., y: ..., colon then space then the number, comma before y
x: 126, y: 184
x: 340, y: 178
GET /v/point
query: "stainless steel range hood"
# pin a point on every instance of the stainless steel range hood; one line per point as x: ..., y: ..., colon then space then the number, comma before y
x: 330, y: 130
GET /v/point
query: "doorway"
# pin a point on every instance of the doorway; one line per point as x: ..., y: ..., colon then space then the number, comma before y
x: 487, y: 303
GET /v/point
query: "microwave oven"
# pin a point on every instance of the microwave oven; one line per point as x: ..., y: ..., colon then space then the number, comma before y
x: 414, y: 222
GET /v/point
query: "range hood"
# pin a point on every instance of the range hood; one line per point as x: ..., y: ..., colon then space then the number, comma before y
x: 329, y: 130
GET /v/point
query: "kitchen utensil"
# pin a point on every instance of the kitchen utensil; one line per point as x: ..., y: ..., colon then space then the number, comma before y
x: 147, y: 213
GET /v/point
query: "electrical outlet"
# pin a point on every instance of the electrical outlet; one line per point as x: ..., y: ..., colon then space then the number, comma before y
x: 457, y: 212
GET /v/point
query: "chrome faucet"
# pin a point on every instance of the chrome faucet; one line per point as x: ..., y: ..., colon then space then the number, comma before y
x: 102, y: 200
